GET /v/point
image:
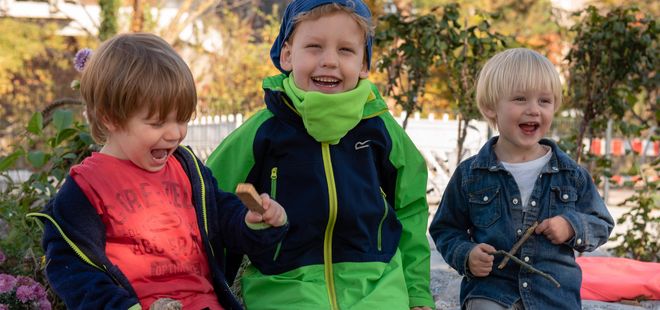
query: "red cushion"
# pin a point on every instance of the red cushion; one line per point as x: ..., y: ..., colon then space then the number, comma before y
x: 614, y: 279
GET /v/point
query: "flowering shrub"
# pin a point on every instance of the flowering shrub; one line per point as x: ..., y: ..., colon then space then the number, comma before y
x: 21, y: 292
x: 54, y: 140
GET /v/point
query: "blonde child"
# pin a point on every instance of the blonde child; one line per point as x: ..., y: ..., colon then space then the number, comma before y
x: 519, y: 178
x: 142, y: 219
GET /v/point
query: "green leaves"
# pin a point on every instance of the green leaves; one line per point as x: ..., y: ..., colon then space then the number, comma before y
x: 36, y: 123
x: 36, y: 158
x: 62, y: 119
x: 10, y: 160
x: 612, y: 77
x: 420, y: 48
x: 612, y: 67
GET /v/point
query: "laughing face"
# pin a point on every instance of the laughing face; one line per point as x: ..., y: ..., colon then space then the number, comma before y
x: 327, y: 54
x: 145, y: 140
x: 523, y: 118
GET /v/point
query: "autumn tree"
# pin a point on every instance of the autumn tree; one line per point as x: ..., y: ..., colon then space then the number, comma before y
x: 36, y: 69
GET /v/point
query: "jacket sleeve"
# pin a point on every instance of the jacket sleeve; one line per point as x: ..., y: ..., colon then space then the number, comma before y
x: 230, y: 163
x: 74, y: 238
x: 236, y: 234
x: 407, y: 184
x: 234, y: 158
x: 449, y: 227
x: 590, y: 219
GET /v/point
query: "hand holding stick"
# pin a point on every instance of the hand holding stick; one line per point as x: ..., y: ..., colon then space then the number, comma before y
x: 518, y: 244
x: 528, y: 266
x: 250, y: 198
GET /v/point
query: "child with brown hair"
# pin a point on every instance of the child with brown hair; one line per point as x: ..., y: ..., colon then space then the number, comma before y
x: 143, y: 219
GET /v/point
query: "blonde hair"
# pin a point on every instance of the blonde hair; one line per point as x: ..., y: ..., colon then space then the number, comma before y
x: 329, y: 9
x: 517, y: 69
x: 130, y: 72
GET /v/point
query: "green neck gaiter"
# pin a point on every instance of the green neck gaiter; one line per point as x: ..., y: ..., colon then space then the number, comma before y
x: 328, y: 117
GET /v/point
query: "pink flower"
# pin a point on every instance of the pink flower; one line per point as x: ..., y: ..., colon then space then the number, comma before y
x: 22, y: 290
x: 7, y: 283
x: 24, y: 293
x: 44, y: 304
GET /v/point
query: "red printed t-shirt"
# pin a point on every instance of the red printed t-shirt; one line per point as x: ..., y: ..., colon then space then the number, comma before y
x: 151, y: 228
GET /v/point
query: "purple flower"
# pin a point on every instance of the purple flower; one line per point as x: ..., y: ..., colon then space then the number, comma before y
x: 24, y: 293
x: 7, y: 283
x: 81, y: 59
x: 4, y: 307
x: 44, y: 304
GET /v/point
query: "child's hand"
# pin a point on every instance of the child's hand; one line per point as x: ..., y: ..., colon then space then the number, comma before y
x: 480, y: 262
x: 274, y: 215
x: 557, y: 229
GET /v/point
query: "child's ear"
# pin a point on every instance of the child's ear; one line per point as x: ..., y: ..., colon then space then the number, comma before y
x: 285, y: 57
x: 110, y: 126
x: 490, y: 113
x: 364, y: 71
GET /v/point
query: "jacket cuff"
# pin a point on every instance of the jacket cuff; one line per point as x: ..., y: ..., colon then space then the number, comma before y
x: 579, y: 240
x: 263, y: 225
x: 461, y: 259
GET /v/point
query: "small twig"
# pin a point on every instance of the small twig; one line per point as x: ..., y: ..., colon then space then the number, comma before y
x: 518, y: 244
x: 527, y: 266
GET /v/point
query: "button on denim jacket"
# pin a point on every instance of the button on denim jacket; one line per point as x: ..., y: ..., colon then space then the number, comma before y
x: 482, y: 204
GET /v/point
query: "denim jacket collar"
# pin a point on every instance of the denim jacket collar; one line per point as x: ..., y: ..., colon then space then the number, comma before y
x: 486, y: 158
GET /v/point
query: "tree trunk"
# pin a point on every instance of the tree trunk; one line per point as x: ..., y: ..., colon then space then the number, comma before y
x: 137, y: 20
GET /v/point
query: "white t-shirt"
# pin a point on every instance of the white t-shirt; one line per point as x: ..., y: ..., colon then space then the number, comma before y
x: 526, y: 174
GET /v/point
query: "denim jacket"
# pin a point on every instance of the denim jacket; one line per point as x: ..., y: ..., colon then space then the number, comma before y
x: 482, y: 204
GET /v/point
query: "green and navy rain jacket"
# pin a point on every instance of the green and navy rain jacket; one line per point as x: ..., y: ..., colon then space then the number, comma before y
x: 357, y: 209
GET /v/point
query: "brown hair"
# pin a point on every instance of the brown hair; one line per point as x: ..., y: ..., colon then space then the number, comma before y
x: 133, y: 71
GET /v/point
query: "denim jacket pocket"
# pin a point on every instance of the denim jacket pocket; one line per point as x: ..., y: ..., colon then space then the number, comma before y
x: 484, y: 207
x: 564, y: 197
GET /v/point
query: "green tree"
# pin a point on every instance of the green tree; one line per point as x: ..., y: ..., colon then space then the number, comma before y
x: 613, y: 79
x: 612, y: 61
x: 108, y: 27
x: 442, y: 47
x: 472, y: 45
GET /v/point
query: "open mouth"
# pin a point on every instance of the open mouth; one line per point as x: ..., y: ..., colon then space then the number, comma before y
x: 325, y: 81
x: 529, y: 128
x: 160, y: 154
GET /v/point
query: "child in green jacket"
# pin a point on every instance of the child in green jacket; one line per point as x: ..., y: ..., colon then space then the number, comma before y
x: 350, y: 179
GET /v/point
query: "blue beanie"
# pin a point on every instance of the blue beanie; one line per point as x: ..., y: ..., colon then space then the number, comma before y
x: 301, y: 6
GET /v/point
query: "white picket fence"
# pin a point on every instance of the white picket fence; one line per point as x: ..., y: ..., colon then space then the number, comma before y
x: 435, y: 138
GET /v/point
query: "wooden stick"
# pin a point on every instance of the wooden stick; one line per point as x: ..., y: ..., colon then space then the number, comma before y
x: 528, y: 266
x: 518, y: 244
x: 250, y: 198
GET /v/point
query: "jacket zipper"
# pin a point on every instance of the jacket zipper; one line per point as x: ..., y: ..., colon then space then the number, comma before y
x: 75, y: 248
x: 382, y: 220
x: 203, y: 195
x: 273, y: 194
x: 332, y: 218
